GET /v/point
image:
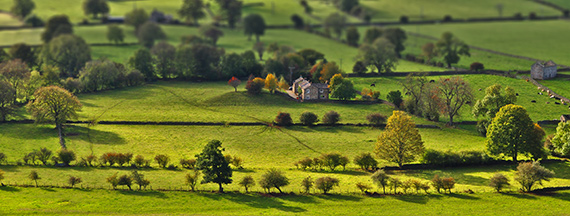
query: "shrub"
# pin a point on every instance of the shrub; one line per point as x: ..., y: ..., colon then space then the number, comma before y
x: 450, y: 159
x: 437, y: 183
x: 395, y: 97
x: 2, y: 158
x: 274, y: 178
x: 447, y: 18
x: 308, y: 118
x: 498, y: 182
x: 283, y: 119
x: 366, y: 161
x: 113, y: 180
x: 532, y: 15
x: 359, y: 68
x: 43, y: 155
x: 30, y: 158
x: 192, y: 179
x: 318, y: 163
x: 74, y: 180
x: 255, y: 86
x: 326, y: 184
x: 566, y: 13
x: 333, y: 160
x: 376, y: 119
x: 1, y: 177
x: 404, y: 19
x: 110, y: 158
x: 66, y: 156
x: 188, y: 163
x: 406, y: 185
x: 89, y: 160
x: 304, y: 163
x: 33, y: 21
x: 34, y: 177
x: 381, y: 179
x: 331, y: 118
x: 237, y: 162
x: 395, y: 183
x: 518, y: 16
x: 141, y: 162
x: 448, y: 184
x: 528, y: 174
x: 476, y: 66
x: 139, y: 180
x: 307, y: 184
x: 124, y: 158
x: 363, y: 187
x: 247, y: 182
x: 297, y: 21
x: 125, y: 180
x: 162, y: 160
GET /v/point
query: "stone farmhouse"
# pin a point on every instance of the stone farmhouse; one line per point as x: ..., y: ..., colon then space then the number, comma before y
x: 310, y: 91
x: 542, y: 71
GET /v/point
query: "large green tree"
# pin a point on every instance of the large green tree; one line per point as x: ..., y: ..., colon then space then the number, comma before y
x: 212, y: 32
x: 450, y: 47
x: 512, y: 132
x: 381, y: 54
x: 397, y: 37
x: 214, y: 166
x: 561, y: 139
x: 99, y: 75
x: 17, y: 74
x: 54, y: 104
x: 7, y: 97
x: 490, y: 104
x: 136, y: 18
x: 192, y: 10
x: 336, y: 22
x: 55, y: 26
x: 115, y: 34
x: 95, y: 7
x: 401, y: 141
x: 67, y: 52
x: 254, y: 24
x: 163, y: 59
x: 142, y: 61
x: 24, y: 52
x: 22, y: 8
x: 149, y: 32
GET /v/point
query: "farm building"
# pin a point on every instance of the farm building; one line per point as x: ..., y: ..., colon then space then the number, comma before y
x: 310, y: 91
x: 543, y: 71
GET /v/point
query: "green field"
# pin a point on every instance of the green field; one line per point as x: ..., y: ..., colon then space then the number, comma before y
x: 541, y: 40
x: 46, y: 201
x: 559, y: 85
x: 561, y: 3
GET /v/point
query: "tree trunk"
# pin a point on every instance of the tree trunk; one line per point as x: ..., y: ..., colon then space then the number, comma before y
x: 257, y: 37
x: 384, y: 189
x: 515, y: 157
x: 448, y: 65
x: 221, y: 190
x: 36, y: 183
x: 279, y: 189
x: 60, y: 134
x: 235, y: 88
x: 450, y: 120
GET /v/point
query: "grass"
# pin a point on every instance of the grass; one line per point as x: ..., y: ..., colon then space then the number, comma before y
x: 543, y: 42
x: 558, y: 85
x: 561, y: 3
x: 436, y: 9
x: 46, y: 201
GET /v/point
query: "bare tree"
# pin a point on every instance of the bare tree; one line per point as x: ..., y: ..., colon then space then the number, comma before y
x: 455, y: 92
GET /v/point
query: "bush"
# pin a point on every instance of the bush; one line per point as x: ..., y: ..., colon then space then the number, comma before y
x: 376, y: 119
x: 498, y: 182
x: 395, y: 183
x: 333, y: 160
x: 331, y: 118
x: 566, y: 13
x: 448, y: 184
x: 518, y: 16
x: 297, y: 21
x: 437, y: 183
x: 2, y: 158
x: 188, y: 163
x: 66, y: 156
x: 33, y: 21
x: 255, y: 86
x: 532, y: 15
x: 476, y: 66
x: 308, y: 118
x: 141, y: 162
x: 304, y: 163
x: 359, y: 68
x: 113, y: 180
x: 326, y: 184
x: 112, y: 158
x: 247, y: 182
x: 451, y: 159
x: 74, y: 180
x: 381, y: 179
x: 139, y: 179
x: 528, y: 174
x: 273, y: 178
x: 283, y: 119
x: 447, y: 18
x: 482, y: 126
x: 162, y: 160
x: 192, y: 179
x: 366, y: 161
x: 307, y: 184
x: 404, y: 19
x: 406, y: 185
x: 395, y: 97
x: 125, y: 180
x: 363, y: 187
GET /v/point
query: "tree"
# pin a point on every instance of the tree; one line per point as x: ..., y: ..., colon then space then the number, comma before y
x: 136, y: 18
x: 255, y: 86
x: 66, y: 156
x: 401, y: 141
x: 54, y: 104
x: 359, y: 67
x: 283, y: 84
x: 376, y: 119
x: 366, y: 161
x: 396, y: 36
x: 328, y: 71
x: 455, y: 92
x: 381, y: 54
x: 232, y: 65
x: 17, y: 74
x: 115, y: 34
x: 307, y: 184
x: 331, y: 118
x: 33, y: 21
x: 149, y: 32
x: 451, y: 48
x: 528, y: 174
x: 428, y: 51
x: 561, y: 139
x: 142, y: 61
x: 308, y: 118
x: 352, y: 36
x: 44, y: 155
x: 297, y: 21
x: 498, y: 182
x: 67, y: 52
x: 231, y: 10
x: 192, y: 179
x: 271, y: 83
x: 490, y: 104
x: 234, y: 82
x: 372, y: 34
x: 162, y: 160
x: 381, y: 178
x: 74, y: 180
x: 99, y: 75
x: 23, y: 52
x: 95, y: 7
x: 476, y: 66
x: 139, y: 179
x: 113, y: 180
x: 336, y: 22
x: 7, y: 97
x: 125, y: 180
x: 163, y: 60
x: 274, y: 178
x: 211, y: 32
x: 259, y: 47
x: 326, y: 183
x: 347, y: 5
x: 344, y: 91
x: 395, y: 97
x: 512, y: 132
x: 254, y: 24
x: 247, y: 182
x: 192, y: 10
x: 415, y: 87
x: 311, y: 55
x: 22, y: 8
x: 34, y: 177
x: 214, y: 165
x: 55, y: 26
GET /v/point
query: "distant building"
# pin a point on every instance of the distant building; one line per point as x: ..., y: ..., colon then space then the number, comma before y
x: 543, y: 71
x: 310, y: 91
x: 159, y: 17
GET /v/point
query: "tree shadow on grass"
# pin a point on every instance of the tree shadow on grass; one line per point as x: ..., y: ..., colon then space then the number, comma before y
x: 463, y: 196
x: 47, y: 189
x: 337, y: 171
x: 339, y: 197
x: 336, y: 129
x: 9, y: 189
x: 418, y: 199
x: 519, y: 195
x: 255, y: 201
x: 299, y: 198
x: 561, y: 196
x: 92, y: 135
x: 136, y: 192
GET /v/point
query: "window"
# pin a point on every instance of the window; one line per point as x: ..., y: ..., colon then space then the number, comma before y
x: 321, y: 91
x: 322, y: 97
x: 307, y: 91
x: 307, y: 97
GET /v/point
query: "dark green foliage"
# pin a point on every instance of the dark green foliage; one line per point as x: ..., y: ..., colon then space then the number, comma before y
x: 311, y: 55
x: 331, y: 118
x: 336, y: 22
x: 7, y: 98
x: 232, y: 65
x: 74, y: 180
x: 376, y: 119
x: 366, y: 161
x: 66, y: 156
x: 359, y: 68
x: 477, y: 66
x: 214, y: 165
x: 115, y: 34
x: 297, y: 21
x: 192, y: 10
x: 449, y: 158
x: 211, y: 32
x: 397, y: 37
x: 254, y: 24
x: 307, y: 184
x: 136, y: 18
x: 149, y: 32
x: 247, y: 182
x: 43, y: 155
x: 344, y: 91
x: 22, y: 8
x: 450, y: 47
x: 100, y: 75
x: 33, y: 21
x: 395, y: 97
x: 164, y: 54
x: 68, y: 52
x: 308, y: 118
x: 283, y: 119
x: 55, y: 26
x: 142, y: 61
x: 162, y: 160
x: 381, y: 54
x: 95, y: 7
x: 333, y: 160
x: 125, y: 180
x: 352, y: 36
x: 404, y: 19
x: 23, y: 52
x: 372, y: 34
x: 326, y: 184
x: 498, y: 182
x: 139, y: 180
x: 482, y: 126
x: 274, y: 178
x: 347, y: 5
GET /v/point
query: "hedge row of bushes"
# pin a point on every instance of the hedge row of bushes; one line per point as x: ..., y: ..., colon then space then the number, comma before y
x: 333, y: 160
x: 450, y: 159
x: 330, y: 118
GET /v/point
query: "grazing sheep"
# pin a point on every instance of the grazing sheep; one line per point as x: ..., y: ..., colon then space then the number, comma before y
x: 547, y: 102
x: 373, y: 85
x: 557, y: 103
x: 431, y: 81
x: 533, y: 101
x: 517, y: 94
x: 480, y: 89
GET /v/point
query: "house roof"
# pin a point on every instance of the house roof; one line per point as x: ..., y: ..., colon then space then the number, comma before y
x: 300, y: 79
x: 316, y: 85
x: 549, y: 63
